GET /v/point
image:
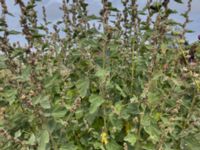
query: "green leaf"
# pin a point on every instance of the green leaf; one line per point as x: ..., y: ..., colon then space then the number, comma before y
x: 17, y: 52
x: 116, y: 122
x: 10, y: 14
x: 13, y: 32
x: 31, y: 140
x: 30, y: 6
x: 96, y: 102
x: 153, y: 97
x: 131, y: 138
x: 18, y: 134
x: 112, y: 145
x: 2, y: 22
x: 190, y: 31
x: 59, y: 112
x: 98, y: 145
x: 69, y: 146
x: 51, y: 81
x: 153, y: 132
x: 130, y: 109
x: 79, y: 113
x: 43, y: 140
x: 151, y: 128
x: 93, y: 17
x: 102, y: 73
x: 118, y: 107
x: 43, y: 100
x: 2, y: 62
x: 113, y: 9
x: 83, y: 86
x: 120, y: 90
x: 145, y: 120
x: 9, y: 95
x: 171, y: 11
x: 178, y: 1
x: 36, y: 35
x: 25, y: 74
x: 191, y: 142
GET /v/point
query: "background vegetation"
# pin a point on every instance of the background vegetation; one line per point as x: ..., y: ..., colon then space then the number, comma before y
x: 122, y: 83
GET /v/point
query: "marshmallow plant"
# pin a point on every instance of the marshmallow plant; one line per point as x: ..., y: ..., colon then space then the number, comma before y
x: 125, y: 79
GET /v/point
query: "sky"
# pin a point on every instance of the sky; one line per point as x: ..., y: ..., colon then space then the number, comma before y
x: 54, y: 14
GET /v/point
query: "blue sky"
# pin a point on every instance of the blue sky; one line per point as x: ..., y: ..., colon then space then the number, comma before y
x: 54, y: 13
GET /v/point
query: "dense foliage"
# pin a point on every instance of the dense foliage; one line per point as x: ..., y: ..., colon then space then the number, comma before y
x: 128, y: 84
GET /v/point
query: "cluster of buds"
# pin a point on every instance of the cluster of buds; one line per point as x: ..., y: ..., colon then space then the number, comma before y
x: 4, y: 6
x: 45, y: 20
x: 176, y: 109
x: 125, y: 146
x: 8, y: 137
x: 125, y: 22
x: 169, y: 128
x: 1, y: 89
x: 76, y: 105
x: 186, y: 15
x: 24, y: 21
x: 105, y: 13
x: 26, y: 101
x: 148, y: 5
x: 2, y: 112
x: 4, y: 41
